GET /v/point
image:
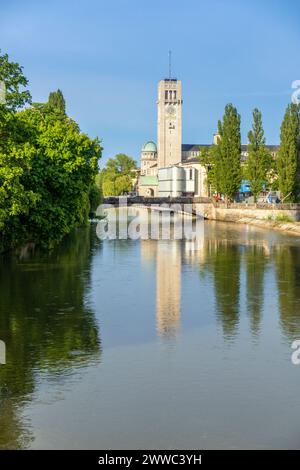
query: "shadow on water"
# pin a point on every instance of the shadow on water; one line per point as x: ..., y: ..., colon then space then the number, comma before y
x: 46, y: 323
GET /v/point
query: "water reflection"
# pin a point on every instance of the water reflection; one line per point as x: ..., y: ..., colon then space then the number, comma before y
x: 168, y: 288
x: 287, y: 260
x: 223, y: 262
x: 226, y: 255
x: 236, y: 283
x: 256, y: 262
x: 46, y: 324
x: 167, y: 257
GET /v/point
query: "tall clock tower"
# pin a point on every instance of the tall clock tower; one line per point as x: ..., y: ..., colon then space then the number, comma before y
x: 169, y: 106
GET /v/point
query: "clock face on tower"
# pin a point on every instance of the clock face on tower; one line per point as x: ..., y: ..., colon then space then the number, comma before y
x: 171, y: 110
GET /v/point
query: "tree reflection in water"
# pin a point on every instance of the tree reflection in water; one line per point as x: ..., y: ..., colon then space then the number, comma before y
x: 46, y: 323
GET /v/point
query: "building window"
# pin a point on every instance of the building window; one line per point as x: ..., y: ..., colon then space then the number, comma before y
x: 191, y: 173
x: 166, y: 94
x: 174, y: 94
x: 170, y: 94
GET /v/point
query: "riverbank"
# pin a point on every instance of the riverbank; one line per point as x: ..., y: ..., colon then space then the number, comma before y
x: 292, y: 228
x: 280, y: 217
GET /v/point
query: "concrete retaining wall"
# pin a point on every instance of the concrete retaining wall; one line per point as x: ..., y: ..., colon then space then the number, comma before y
x: 264, y: 216
x: 235, y: 212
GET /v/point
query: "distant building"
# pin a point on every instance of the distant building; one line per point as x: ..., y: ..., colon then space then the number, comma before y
x: 172, y: 168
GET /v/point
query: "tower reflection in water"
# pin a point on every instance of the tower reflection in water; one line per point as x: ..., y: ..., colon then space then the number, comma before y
x: 168, y: 256
x: 168, y: 288
x: 233, y: 265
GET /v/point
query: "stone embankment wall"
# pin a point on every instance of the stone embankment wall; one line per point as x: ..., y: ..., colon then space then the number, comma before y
x: 272, y: 216
x: 233, y: 212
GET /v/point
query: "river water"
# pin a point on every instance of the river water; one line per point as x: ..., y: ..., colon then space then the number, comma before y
x: 152, y: 343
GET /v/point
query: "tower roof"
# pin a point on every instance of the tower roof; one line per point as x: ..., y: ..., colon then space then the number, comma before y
x: 149, y: 146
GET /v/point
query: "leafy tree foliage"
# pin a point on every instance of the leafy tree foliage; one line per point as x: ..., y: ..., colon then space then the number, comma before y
x: 288, y: 157
x: 11, y: 73
x: 228, y: 153
x: 56, y: 102
x: 118, y: 175
x: 47, y: 167
x: 95, y: 198
x: 63, y: 167
x: 259, y: 159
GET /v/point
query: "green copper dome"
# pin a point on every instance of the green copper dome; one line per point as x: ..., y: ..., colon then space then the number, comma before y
x: 149, y: 147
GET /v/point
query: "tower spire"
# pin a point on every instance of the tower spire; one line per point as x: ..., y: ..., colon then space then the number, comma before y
x: 170, y: 64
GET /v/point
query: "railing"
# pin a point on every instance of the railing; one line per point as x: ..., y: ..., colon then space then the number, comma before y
x: 129, y: 200
x: 148, y: 200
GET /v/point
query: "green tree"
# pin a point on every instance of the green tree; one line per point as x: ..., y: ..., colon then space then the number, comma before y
x: 108, y: 187
x: 95, y: 199
x: 63, y: 167
x: 11, y: 73
x: 118, y: 175
x: 47, y: 166
x: 15, y: 151
x: 123, y: 184
x: 98, y: 181
x: 228, y: 153
x: 258, y: 162
x: 15, y: 198
x: 15, y: 96
x: 96, y: 193
x: 121, y: 164
x: 56, y: 102
x: 272, y: 176
x: 288, y: 155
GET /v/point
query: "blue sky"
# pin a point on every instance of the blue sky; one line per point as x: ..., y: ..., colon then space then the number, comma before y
x: 108, y: 56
